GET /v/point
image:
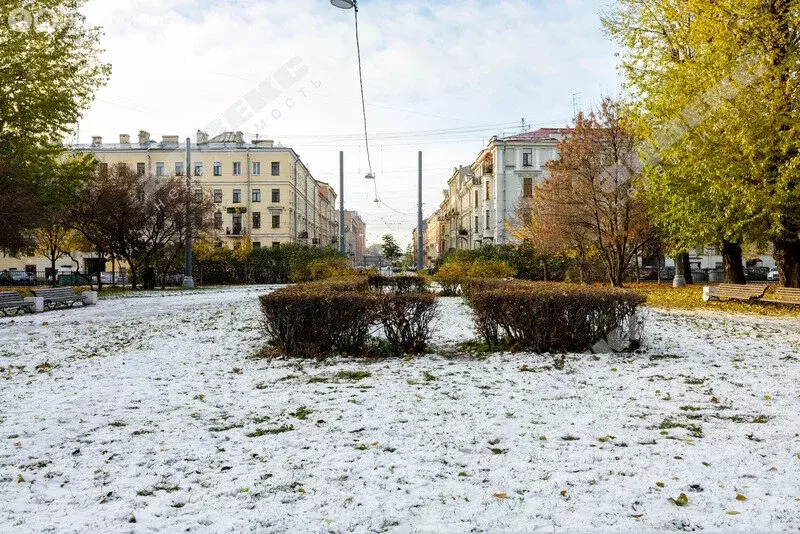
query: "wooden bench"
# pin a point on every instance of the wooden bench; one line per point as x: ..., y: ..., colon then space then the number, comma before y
x: 58, y: 297
x: 784, y: 295
x: 749, y: 292
x: 9, y: 300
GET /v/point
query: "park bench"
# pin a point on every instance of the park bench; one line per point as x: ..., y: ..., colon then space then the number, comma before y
x: 749, y: 292
x: 784, y: 295
x: 9, y: 300
x: 58, y: 297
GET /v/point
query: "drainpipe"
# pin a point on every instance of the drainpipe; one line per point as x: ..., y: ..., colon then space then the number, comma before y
x: 249, y: 196
x: 294, y: 210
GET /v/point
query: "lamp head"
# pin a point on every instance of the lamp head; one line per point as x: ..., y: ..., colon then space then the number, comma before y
x: 344, y: 4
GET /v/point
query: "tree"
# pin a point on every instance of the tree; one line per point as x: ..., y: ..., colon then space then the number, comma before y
x: 714, y: 86
x: 591, y: 196
x: 48, y: 75
x: 391, y: 250
x: 139, y: 218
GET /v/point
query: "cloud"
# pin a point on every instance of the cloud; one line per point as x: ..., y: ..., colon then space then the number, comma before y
x: 449, y: 65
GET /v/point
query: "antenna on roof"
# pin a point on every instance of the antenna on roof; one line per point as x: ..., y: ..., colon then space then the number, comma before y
x: 575, y: 104
x: 523, y: 125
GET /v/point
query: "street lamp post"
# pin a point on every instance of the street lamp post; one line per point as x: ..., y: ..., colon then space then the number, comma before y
x: 188, y: 279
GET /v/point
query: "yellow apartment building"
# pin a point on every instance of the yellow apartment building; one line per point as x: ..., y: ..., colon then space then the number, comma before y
x: 258, y: 188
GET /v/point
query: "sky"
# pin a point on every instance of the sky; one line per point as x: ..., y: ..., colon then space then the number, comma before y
x: 440, y: 77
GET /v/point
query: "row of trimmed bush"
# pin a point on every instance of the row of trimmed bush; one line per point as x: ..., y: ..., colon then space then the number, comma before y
x: 336, y: 316
x: 546, y: 316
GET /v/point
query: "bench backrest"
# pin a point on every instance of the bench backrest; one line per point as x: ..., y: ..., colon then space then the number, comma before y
x: 788, y: 293
x: 54, y: 293
x: 736, y: 290
x: 9, y: 296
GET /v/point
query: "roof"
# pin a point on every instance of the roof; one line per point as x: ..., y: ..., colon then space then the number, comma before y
x: 542, y: 134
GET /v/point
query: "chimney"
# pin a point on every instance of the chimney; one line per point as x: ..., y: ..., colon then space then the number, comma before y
x: 202, y: 137
x: 169, y: 140
x: 97, y: 140
x: 144, y: 137
x: 124, y: 139
x: 238, y: 137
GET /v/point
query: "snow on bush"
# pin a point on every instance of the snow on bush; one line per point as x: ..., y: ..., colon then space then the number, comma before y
x: 547, y: 317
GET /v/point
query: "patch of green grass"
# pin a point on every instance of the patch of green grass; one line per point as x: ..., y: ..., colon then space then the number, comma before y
x: 690, y: 408
x: 428, y: 377
x: 569, y: 438
x: 263, y: 432
x: 695, y: 430
x: 225, y: 428
x: 301, y: 413
x: 118, y: 424
x: 353, y: 375
x: 318, y: 380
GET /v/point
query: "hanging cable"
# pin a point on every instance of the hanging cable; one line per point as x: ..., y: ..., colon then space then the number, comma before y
x: 363, y: 101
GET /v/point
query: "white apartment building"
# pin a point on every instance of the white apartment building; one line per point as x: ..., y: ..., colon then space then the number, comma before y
x: 481, y: 201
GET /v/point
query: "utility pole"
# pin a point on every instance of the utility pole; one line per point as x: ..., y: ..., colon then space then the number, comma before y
x: 419, y: 219
x: 342, y: 244
x: 188, y: 280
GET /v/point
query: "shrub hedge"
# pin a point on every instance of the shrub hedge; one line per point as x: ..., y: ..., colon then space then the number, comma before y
x: 547, y: 317
x: 398, y: 284
x: 407, y: 319
x: 336, y: 316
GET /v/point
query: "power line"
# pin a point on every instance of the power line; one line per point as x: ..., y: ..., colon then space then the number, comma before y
x: 363, y: 101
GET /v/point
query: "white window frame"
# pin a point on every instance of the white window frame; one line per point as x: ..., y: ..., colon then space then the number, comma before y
x: 256, y: 193
x: 160, y: 168
x: 198, y: 168
x: 237, y: 168
x: 182, y: 166
x: 217, y: 165
x: 256, y: 168
x: 235, y: 193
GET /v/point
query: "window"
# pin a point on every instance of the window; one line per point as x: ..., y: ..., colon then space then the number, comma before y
x: 276, y: 221
x: 276, y: 168
x: 256, y: 244
x: 256, y: 168
x: 256, y: 195
x: 488, y: 189
x: 198, y: 195
x: 178, y: 168
x: 159, y: 169
x: 527, y: 157
x: 256, y: 220
x: 237, y: 168
x: 237, y: 196
x: 140, y: 169
x: 275, y: 244
x: 276, y: 195
x: 217, y: 168
x: 104, y: 169
x: 218, y: 220
x: 476, y: 198
x: 527, y: 187
x: 217, y: 195
x: 198, y: 168
x: 487, y: 219
x: 477, y: 223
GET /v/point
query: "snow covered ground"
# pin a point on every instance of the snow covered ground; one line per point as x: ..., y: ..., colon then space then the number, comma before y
x: 153, y: 409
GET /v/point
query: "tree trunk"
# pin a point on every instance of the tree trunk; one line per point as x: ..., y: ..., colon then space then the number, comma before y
x: 732, y: 263
x: 687, y: 268
x: 54, y: 282
x: 787, y: 256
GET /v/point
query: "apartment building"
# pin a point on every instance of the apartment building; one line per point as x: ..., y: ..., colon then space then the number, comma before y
x: 480, y: 204
x: 356, y: 237
x: 258, y: 188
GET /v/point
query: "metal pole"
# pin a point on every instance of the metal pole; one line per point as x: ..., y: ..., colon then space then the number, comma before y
x: 419, y: 218
x: 342, y: 244
x: 188, y: 280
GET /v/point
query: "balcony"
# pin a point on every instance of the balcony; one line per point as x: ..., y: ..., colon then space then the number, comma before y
x: 236, y: 230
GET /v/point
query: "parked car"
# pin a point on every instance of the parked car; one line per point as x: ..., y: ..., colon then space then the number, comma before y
x: 648, y: 273
x: 773, y: 275
x: 17, y: 278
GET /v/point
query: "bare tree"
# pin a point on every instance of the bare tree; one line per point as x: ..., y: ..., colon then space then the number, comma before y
x: 590, y: 200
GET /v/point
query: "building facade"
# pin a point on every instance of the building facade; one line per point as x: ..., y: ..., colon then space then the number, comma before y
x: 481, y: 202
x: 356, y: 237
x: 259, y: 189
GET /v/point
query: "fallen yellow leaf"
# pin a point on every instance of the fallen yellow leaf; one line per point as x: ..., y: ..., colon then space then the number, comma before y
x: 563, y: 493
x: 502, y: 495
x: 542, y: 438
x: 740, y: 497
x: 374, y: 443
